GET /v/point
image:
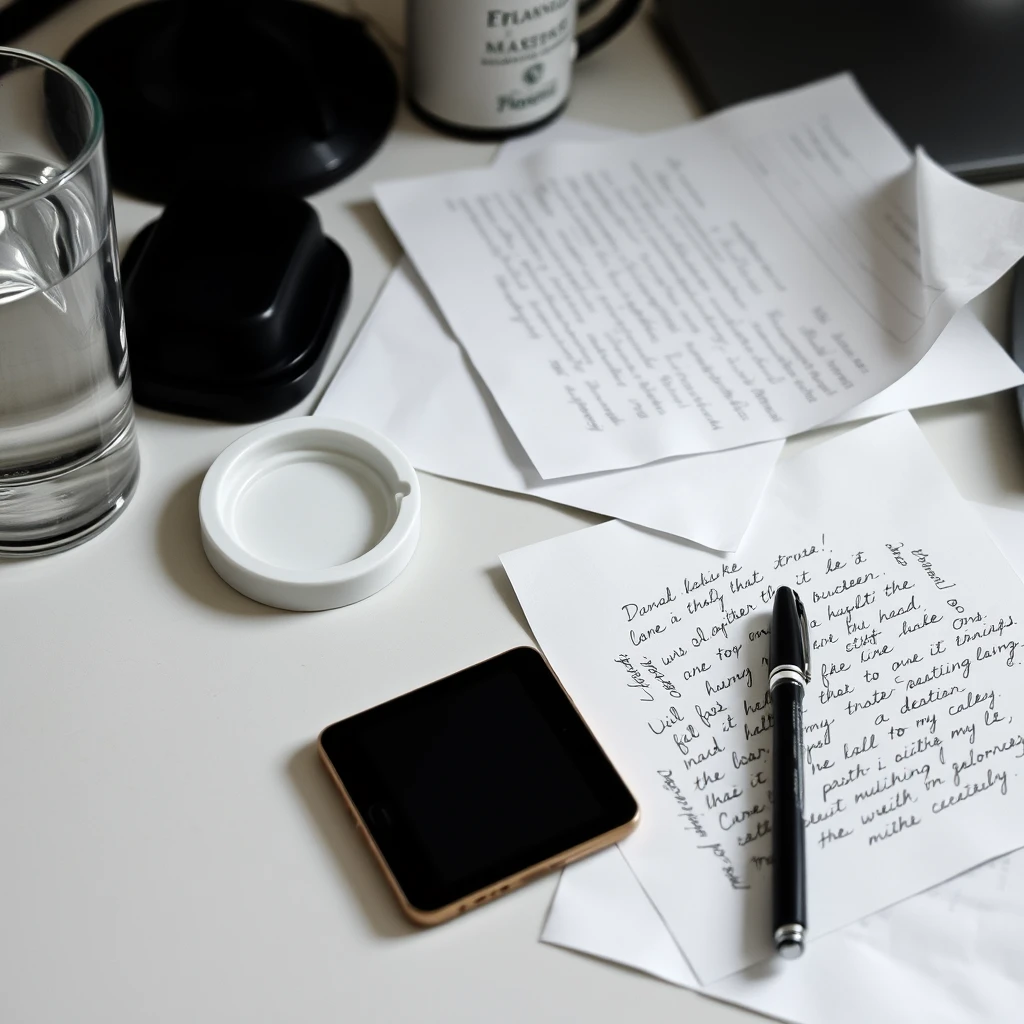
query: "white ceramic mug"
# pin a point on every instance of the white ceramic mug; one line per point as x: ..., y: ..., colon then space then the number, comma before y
x: 493, y: 68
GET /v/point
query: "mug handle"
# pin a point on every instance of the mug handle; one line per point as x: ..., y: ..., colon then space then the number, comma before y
x: 597, y: 35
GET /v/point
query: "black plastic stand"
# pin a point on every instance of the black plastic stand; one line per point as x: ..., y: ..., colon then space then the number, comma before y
x: 272, y: 94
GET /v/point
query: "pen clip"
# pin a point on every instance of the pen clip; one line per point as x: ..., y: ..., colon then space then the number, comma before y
x: 806, y: 636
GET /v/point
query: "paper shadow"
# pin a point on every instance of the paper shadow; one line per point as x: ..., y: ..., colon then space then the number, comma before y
x: 356, y: 865
x: 372, y: 221
x: 497, y: 575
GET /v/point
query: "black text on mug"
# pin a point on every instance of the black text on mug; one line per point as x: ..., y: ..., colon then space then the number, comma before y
x: 492, y: 69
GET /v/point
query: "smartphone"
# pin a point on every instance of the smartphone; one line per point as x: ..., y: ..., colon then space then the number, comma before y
x: 469, y: 787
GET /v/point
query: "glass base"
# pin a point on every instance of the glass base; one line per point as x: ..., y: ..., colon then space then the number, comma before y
x: 53, y: 511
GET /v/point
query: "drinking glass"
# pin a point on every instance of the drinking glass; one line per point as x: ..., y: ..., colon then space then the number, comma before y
x: 69, y: 458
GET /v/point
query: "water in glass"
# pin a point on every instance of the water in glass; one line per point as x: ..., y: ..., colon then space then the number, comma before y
x: 68, y: 455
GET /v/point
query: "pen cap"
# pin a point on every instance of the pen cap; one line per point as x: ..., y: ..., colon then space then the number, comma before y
x: 789, y: 631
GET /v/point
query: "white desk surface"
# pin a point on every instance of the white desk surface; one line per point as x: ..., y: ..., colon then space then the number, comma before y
x: 171, y: 849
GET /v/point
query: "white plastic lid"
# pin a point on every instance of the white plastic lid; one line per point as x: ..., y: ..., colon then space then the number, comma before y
x: 310, y: 513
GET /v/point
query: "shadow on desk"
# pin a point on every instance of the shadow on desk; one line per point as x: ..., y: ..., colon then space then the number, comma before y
x: 497, y: 575
x: 356, y: 865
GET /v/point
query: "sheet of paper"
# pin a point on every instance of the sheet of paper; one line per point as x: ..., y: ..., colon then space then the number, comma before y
x: 949, y: 955
x: 742, y: 278
x: 965, y: 362
x: 952, y: 953
x: 406, y: 376
x: 909, y: 721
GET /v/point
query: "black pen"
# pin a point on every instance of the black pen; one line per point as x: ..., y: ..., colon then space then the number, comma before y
x: 788, y: 673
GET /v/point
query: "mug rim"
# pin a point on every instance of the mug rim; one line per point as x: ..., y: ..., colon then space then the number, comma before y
x: 91, y: 144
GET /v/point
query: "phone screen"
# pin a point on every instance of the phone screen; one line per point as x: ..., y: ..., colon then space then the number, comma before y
x: 476, y: 777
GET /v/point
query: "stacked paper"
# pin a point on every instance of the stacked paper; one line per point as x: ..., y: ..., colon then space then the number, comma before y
x: 912, y: 771
x: 409, y: 377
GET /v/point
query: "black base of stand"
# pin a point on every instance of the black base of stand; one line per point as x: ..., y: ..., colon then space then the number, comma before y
x: 272, y: 94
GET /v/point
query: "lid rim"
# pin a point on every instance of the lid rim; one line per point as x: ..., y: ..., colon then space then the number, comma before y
x: 323, y: 587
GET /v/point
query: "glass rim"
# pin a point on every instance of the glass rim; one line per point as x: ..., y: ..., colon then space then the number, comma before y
x: 89, y: 148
